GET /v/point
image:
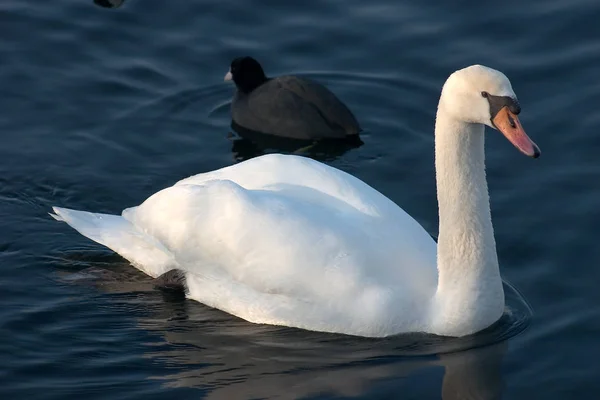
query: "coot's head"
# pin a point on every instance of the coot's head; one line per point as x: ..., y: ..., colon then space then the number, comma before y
x: 247, y: 74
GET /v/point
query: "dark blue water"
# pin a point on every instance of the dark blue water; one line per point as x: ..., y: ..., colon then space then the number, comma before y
x: 99, y: 108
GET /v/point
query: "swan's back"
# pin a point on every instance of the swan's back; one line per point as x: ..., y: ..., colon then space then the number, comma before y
x: 274, y: 171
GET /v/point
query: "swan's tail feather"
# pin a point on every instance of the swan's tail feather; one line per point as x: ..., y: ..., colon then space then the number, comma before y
x: 121, y: 236
x: 56, y: 217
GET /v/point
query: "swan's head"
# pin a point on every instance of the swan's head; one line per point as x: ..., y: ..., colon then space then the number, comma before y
x: 482, y: 95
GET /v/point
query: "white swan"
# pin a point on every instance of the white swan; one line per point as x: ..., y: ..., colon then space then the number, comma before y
x: 286, y: 240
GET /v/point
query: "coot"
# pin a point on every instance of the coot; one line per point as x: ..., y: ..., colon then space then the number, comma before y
x: 287, y: 106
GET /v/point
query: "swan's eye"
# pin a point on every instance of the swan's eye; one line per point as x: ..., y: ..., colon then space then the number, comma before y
x: 484, y: 94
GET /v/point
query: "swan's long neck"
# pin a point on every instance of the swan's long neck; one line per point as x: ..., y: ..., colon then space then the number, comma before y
x: 469, y: 295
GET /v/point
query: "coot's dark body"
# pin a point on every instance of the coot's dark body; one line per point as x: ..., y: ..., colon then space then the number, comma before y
x: 287, y: 106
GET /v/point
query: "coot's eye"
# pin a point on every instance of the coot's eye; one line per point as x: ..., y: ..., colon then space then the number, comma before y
x: 484, y: 94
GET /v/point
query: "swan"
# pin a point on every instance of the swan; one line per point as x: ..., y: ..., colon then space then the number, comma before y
x: 286, y: 240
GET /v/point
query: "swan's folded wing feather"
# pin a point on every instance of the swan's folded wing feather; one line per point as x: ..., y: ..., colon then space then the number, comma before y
x: 258, y: 237
x: 290, y: 239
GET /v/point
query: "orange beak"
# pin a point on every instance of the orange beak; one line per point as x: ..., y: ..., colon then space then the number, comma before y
x: 508, y: 123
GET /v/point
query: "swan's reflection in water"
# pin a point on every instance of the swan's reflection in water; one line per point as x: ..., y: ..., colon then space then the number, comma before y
x: 472, y: 374
x: 228, y: 358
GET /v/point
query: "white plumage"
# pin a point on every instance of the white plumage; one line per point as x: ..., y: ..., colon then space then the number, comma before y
x: 286, y: 240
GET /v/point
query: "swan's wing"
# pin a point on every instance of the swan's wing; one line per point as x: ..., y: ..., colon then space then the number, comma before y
x: 311, y: 181
x: 263, y: 230
x: 221, y: 223
x: 287, y: 242
x: 303, y: 178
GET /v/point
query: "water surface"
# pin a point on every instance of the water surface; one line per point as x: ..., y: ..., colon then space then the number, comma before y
x: 102, y: 107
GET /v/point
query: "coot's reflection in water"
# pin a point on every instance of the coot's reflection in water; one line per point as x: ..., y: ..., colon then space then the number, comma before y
x: 251, y: 144
x: 229, y: 358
